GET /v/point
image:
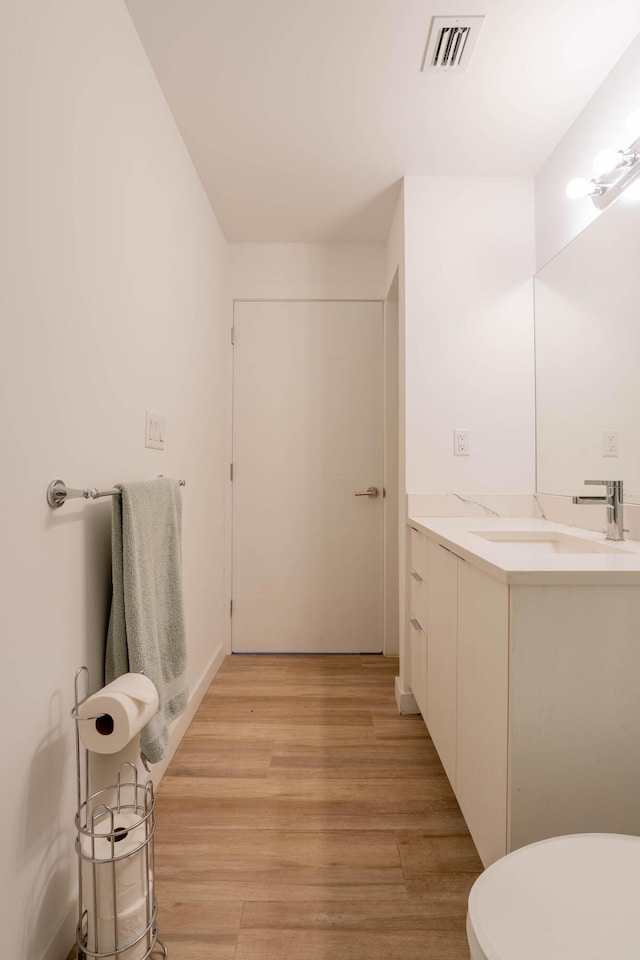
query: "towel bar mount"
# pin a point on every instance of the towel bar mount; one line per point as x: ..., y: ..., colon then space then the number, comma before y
x: 58, y: 493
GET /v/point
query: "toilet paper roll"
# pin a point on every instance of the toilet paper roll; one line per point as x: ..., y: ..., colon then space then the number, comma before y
x: 101, y: 935
x: 126, y: 705
x: 121, y: 861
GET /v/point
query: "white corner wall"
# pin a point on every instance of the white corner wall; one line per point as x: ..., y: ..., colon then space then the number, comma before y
x: 600, y: 125
x: 307, y: 271
x: 113, y: 301
x: 469, y: 259
x: 394, y: 248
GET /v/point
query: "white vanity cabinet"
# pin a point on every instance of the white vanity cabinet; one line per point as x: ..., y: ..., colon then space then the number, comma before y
x: 483, y: 708
x: 467, y: 691
x: 442, y: 643
x: 418, y: 616
x: 530, y: 690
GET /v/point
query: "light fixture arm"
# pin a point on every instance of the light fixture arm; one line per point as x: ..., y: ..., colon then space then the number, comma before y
x: 629, y: 175
x: 604, y: 189
x: 627, y: 158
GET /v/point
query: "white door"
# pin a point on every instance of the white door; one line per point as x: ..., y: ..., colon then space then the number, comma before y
x: 307, y: 437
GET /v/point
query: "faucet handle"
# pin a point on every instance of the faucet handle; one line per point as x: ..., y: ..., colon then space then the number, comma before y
x: 613, y: 500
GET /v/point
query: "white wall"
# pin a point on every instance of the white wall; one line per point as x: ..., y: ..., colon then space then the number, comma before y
x: 394, y: 248
x: 395, y: 286
x: 112, y: 301
x: 391, y: 474
x: 600, y: 125
x: 465, y: 247
x: 307, y: 271
x: 469, y: 333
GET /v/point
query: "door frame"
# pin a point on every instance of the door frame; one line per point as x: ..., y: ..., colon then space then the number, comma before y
x: 391, y: 429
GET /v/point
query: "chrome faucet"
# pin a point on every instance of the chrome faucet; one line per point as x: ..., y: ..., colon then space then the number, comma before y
x: 613, y: 501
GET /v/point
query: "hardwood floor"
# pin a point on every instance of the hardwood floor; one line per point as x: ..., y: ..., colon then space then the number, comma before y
x: 303, y: 819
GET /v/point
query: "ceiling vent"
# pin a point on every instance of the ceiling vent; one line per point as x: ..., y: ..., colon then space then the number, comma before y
x: 450, y: 44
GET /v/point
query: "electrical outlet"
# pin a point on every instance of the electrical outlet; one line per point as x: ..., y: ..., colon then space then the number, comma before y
x: 461, y: 440
x: 154, y: 431
x: 610, y: 443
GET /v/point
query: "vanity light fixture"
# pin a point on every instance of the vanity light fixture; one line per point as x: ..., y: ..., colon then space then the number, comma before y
x: 609, y: 160
x: 579, y: 187
x: 616, y: 170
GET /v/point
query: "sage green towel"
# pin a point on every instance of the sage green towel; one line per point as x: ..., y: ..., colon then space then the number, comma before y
x: 146, y: 627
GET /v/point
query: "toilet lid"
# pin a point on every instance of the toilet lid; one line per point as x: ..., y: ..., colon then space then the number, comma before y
x: 568, y: 898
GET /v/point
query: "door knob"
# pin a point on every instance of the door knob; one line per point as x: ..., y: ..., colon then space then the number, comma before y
x: 369, y: 492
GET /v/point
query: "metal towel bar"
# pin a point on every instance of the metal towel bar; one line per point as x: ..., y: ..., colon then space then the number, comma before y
x: 58, y: 493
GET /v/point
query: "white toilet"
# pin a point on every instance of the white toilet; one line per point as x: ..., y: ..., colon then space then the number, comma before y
x: 568, y: 898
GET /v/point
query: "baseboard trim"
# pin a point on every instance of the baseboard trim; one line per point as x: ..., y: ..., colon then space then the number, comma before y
x: 180, y: 727
x: 65, y: 935
x: 405, y: 699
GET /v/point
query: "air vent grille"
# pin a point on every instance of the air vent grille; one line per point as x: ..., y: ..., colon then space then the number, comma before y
x: 450, y: 44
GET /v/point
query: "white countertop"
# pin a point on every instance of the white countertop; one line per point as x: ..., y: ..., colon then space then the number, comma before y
x: 518, y: 565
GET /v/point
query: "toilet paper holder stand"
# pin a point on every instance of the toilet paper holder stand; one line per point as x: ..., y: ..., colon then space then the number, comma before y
x: 100, y: 931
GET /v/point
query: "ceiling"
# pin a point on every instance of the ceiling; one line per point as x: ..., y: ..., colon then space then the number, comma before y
x: 302, y: 116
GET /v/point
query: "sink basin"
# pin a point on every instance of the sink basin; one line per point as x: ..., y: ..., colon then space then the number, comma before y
x: 540, y: 542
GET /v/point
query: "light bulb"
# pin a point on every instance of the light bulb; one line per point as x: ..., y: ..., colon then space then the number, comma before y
x: 578, y: 188
x: 632, y: 124
x: 606, y: 161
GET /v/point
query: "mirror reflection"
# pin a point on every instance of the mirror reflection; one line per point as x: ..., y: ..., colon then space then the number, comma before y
x: 587, y: 315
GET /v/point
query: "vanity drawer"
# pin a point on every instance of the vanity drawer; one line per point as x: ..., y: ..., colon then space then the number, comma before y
x: 418, y: 553
x: 418, y: 599
x: 418, y: 641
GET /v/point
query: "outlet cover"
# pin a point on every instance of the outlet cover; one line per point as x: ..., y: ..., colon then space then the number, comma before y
x: 610, y: 443
x: 461, y: 440
x: 154, y: 431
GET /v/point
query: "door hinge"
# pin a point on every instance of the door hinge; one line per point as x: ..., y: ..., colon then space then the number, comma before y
x: 231, y: 472
x: 230, y: 608
x: 233, y: 336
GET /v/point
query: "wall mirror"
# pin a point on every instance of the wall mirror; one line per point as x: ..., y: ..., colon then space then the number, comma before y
x: 587, y: 331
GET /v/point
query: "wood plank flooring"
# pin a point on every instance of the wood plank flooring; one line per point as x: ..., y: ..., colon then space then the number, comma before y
x: 303, y: 819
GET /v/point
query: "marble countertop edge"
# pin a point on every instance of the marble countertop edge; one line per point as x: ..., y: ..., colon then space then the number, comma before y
x: 620, y: 567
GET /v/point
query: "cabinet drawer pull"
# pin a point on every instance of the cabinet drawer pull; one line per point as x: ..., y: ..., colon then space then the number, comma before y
x: 415, y: 623
x: 416, y: 576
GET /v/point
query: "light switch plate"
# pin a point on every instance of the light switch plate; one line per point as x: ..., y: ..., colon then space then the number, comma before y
x: 154, y: 431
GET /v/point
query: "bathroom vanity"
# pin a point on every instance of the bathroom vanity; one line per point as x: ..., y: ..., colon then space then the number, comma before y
x: 525, y: 664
